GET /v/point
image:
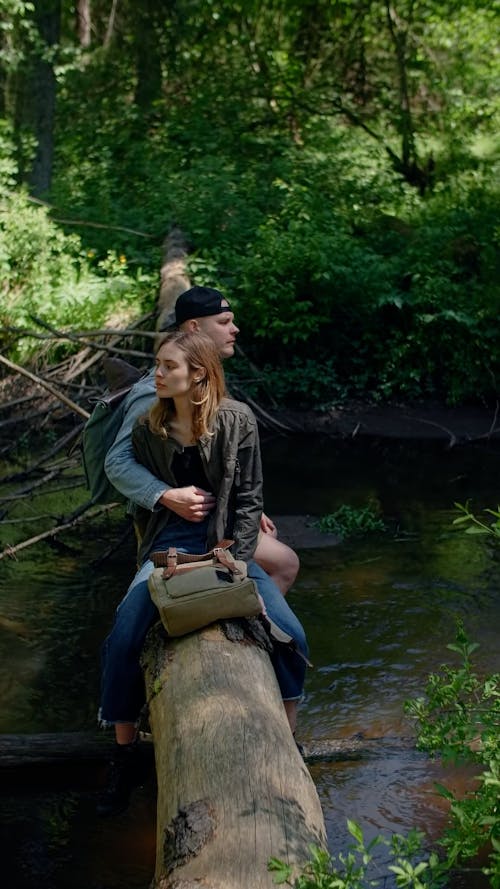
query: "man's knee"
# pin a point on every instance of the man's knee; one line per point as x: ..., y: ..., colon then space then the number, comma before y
x: 278, y: 560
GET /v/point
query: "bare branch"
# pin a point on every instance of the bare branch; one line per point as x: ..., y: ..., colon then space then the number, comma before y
x: 48, y: 386
x: 12, y: 551
x: 118, y: 228
x: 61, y: 443
x: 78, y: 335
x: 58, y: 334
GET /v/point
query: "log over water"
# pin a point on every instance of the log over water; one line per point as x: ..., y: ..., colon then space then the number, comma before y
x: 233, y: 790
x: 64, y: 748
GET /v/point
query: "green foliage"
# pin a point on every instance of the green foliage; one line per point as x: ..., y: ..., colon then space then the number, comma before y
x: 309, y: 383
x: 336, y: 174
x: 351, y: 521
x: 8, y: 167
x: 475, y: 525
x: 459, y: 718
x: 357, y: 869
x: 47, y: 273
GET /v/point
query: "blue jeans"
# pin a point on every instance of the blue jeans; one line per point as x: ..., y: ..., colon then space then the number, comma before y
x: 122, y: 685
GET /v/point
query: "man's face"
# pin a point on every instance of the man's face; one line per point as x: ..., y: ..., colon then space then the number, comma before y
x: 220, y: 328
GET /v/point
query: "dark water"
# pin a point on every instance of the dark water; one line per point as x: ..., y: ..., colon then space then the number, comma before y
x: 378, y: 612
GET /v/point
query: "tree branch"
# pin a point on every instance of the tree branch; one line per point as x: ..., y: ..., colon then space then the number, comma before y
x: 12, y: 551
x: 48, y: 386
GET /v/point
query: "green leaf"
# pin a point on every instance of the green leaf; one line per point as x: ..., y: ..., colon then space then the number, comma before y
x: 443, y: 791
x: 355, y: 830
x: 282, y: 872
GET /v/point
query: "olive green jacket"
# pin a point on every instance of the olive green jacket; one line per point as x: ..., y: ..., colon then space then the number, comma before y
x: 232, y: 464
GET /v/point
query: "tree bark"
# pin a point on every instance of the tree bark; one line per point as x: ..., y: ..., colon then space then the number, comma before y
x: 54, y: 748
x: 84, y: 22
x: 233, y: 790
x: 174, y: 278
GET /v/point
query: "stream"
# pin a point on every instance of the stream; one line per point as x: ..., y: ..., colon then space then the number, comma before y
x: 379, y: 612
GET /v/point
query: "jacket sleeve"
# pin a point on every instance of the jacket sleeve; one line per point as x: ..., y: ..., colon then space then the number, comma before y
x: 248, y: 489
x: 133, y: 480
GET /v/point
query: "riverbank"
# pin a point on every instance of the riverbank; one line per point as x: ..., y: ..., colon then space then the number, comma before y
x: 453, y: 425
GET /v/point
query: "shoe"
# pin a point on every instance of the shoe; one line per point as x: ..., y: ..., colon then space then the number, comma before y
x: 126, y: 771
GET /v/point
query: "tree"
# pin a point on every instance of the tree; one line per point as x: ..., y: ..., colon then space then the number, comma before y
x: 83, y: 22
x: 40, y: 93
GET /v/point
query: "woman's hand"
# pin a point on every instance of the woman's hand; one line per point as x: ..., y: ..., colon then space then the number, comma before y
x: 189, y: 503
x: 267, y: 525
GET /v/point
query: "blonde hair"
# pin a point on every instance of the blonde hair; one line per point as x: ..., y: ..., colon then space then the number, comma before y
x: 201, y: 355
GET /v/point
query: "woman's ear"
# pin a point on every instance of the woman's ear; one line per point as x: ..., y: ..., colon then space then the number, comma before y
x: 200, y: 375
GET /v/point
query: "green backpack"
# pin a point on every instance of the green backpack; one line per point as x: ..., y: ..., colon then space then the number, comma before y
x: 103, y: 426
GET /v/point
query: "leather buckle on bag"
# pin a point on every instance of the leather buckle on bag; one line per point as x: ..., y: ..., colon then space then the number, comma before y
x: 171, y: 562
x: 225, y: 558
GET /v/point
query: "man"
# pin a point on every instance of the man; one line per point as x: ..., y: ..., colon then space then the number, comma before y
x: 206, y: 310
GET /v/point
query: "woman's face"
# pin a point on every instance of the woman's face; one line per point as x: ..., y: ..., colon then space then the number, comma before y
x: 173, y: 376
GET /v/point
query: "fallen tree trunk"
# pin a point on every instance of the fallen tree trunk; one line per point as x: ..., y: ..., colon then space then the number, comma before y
x: 233, y: 790
x: 62, y: 748
x: 174, y: 277
x: 54, y: 748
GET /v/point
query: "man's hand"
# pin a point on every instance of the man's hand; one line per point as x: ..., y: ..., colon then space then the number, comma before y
x: 189, y: 503
x: 267, y: 525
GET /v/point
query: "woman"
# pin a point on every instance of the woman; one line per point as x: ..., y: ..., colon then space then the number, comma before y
x: 193, y: 435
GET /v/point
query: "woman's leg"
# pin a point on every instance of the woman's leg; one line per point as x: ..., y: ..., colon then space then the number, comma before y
x: 122, y: 693
x: 291, y: 708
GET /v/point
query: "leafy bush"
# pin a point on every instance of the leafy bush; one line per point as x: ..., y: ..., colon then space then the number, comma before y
x: 357, y: 869
x: 459, y: 718
x: 474, y: 524
x: 350, y: 521
x: 46, y: 273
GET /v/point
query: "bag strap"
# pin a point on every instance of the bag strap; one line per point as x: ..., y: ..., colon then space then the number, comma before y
x: 169, y: 559
x: 224, y: 557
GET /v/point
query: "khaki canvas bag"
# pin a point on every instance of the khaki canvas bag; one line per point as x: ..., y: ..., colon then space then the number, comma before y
x: 192, y: 591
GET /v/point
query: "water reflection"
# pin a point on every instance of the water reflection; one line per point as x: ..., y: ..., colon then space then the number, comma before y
x: 378, y: 613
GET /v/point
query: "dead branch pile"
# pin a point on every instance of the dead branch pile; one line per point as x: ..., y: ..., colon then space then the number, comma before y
x: 43, y: 409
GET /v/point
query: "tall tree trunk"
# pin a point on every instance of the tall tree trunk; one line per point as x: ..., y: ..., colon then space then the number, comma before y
x: 148, y: 61
x: 110, y: 27
x: 38, y: 94
x: 84, y: 22
x: 399, y: 33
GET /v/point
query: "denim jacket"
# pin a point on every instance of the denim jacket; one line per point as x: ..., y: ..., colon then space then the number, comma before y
x: 231, y: 459
x: 134, y: 481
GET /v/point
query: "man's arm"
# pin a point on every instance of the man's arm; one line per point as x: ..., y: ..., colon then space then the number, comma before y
x: 267, y: 526
x: 133, y: 480
x: 137, y: 483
